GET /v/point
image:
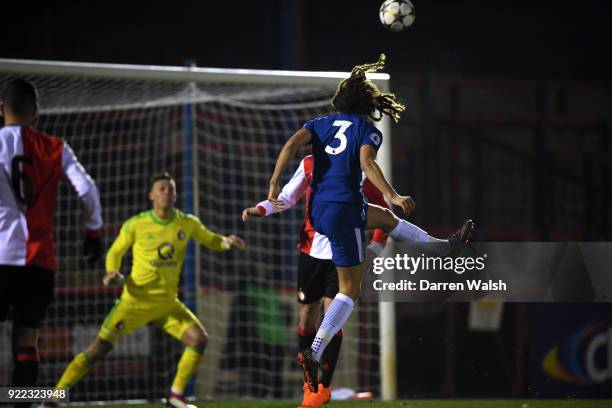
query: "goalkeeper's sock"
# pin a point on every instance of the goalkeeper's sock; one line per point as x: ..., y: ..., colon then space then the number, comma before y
x: 305, y: 337
x: 408, y: 232
x: 330, y: 358
x: 77, y: 368
x: 336, y: 315
x: 187, y: 367
x: 25, y: 371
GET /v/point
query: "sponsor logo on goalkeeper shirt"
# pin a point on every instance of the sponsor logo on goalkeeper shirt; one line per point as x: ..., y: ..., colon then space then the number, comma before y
x: 166, y: 251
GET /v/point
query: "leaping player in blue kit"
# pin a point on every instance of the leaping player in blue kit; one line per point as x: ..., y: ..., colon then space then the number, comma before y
x: 344, y: 145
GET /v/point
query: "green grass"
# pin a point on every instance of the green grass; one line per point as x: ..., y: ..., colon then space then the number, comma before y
x: 463, y: 403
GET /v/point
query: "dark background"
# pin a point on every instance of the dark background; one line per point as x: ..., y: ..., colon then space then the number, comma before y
x: 512, y: 95
x: 537, y: 39
x: 508, y: 122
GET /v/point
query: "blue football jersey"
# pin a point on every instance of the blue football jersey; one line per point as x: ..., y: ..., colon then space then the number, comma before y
x: 336, y: 141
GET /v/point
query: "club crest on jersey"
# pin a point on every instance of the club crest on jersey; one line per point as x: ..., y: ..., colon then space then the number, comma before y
x: 375, y: 138
x: 120, y: 325
x: 165, y: 251
x: 181, y: 235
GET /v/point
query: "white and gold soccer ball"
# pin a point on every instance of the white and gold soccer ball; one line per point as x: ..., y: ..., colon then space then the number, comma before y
x: 396, y: 15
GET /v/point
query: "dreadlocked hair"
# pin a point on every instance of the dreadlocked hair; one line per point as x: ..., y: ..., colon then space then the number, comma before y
x: 357, y: 94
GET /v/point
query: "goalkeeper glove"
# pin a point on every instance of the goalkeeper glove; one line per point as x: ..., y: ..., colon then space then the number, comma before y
x: 93, y: 247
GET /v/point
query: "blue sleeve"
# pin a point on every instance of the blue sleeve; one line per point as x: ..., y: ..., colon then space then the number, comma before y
x: 372, y: 137
x: 310, y: 125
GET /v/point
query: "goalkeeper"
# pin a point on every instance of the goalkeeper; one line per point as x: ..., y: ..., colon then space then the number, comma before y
x: 158, y: 238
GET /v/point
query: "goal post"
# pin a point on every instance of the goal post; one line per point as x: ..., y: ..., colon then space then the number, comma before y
x: 386, y: 310
x: 218, y: 131
x: 181, y: 74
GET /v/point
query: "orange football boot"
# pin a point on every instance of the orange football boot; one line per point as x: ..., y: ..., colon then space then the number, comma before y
x: 318, y: 399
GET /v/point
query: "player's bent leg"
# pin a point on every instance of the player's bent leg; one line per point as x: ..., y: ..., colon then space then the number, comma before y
x: 330, y: 356
x: 80, y: 365
x: 183, y: 325
x: 120, y: 321
x: 382, y: 218
x: 343, y: 225
x: 195, y: 339
x: 329, y: 359
x: 338, y: 312
x: 398, y: 229
x: 82, y: 362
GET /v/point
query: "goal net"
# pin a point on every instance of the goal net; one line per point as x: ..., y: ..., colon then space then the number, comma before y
x: 218, y: 132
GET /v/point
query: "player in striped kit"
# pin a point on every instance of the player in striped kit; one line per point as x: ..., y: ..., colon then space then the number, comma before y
x: 317, y: 276
x: 344, y: 145
x: 31, y: 166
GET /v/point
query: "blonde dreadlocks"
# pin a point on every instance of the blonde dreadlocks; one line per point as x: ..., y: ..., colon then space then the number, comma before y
x: 357, y: 94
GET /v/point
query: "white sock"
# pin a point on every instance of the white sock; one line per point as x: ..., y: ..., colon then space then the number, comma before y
x: 336, y: 315
x: 407, y: 232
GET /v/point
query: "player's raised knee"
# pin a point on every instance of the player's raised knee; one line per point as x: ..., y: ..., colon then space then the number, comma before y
x: 383, y: 218
x: 201, y: 340
x: 195, y: 337
x: 389, y: 220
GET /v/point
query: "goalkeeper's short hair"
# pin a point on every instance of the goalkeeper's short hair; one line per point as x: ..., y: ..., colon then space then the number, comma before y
x: 166, y: 175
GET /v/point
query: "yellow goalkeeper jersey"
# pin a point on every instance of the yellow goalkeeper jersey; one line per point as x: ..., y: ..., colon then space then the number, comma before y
x: 158, y: 249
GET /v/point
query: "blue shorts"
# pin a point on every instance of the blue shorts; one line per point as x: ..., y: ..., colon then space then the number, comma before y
x: 344, y: 225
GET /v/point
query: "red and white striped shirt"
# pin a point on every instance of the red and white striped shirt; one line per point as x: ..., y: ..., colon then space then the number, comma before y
x: 31, y: 165
x: 311, y: 242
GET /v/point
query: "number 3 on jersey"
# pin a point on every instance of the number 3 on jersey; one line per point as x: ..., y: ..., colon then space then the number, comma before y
x: 343, y: 124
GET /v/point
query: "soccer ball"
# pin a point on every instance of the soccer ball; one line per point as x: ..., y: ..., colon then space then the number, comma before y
x: 396, y: 15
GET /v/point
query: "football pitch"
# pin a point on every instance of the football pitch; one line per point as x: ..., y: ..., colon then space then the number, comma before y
x: 461, y: 403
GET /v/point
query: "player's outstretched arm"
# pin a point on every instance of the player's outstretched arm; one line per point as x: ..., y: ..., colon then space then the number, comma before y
x: 367, y: 158
x: 235, y: 241
x: 290, y: 195
x: 299, y: 139
x: 252, y: 212
x: 214, y: 241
